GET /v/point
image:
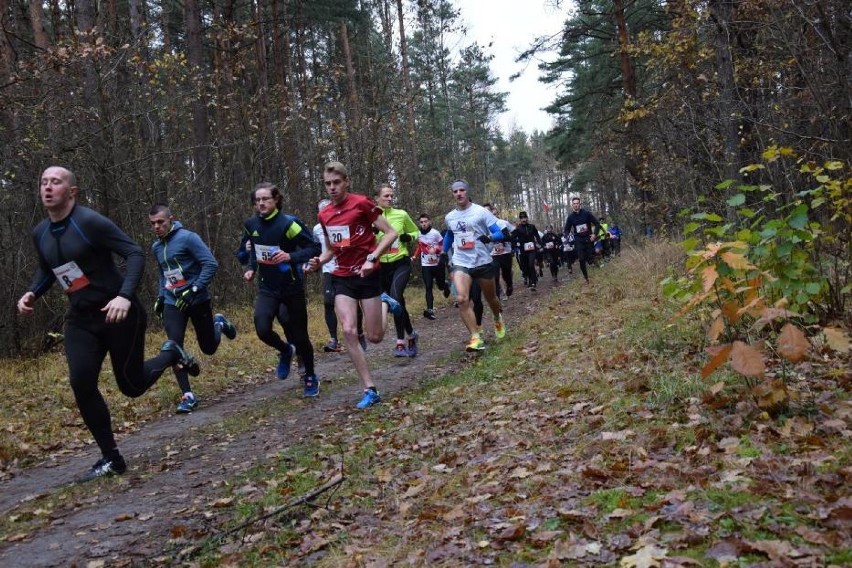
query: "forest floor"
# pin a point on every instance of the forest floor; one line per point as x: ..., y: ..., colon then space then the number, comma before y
x: 582, y: 439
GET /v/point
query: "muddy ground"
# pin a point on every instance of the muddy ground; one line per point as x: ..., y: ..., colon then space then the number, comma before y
x: 179, y: 466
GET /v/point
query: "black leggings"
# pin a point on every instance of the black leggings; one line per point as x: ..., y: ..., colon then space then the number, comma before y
x: 207, y: 334
x: 475, y: 296
x: 292, y: 313
x: 88, y: 339
x: 433, y: 274
x: 395, y: 276
x: 527, y: 262
x: 504, y: 268
x: 585, y: 254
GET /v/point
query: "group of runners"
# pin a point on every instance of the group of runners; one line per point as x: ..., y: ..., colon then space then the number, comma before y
x: 364, y: 249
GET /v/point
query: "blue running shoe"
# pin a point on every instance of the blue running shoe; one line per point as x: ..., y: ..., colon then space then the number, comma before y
x: 187, y: 404
x: 412, y: 344
x: 284, y: 360
x: 225, y: 326
x: 394, y: 307
x: 371, y: 397
x: 311, y: 386
x: 400, y: 350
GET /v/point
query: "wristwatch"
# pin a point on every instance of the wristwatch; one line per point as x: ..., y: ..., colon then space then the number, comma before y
x: 371, y: 257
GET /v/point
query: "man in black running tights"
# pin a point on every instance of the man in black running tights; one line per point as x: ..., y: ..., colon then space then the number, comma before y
x: 75, y: 247
x: 583, y: 226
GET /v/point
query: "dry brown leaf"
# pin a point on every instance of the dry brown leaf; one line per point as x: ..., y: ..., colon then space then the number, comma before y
x: 223, y: 502
x: 836, y: 339
x: 792, y: 343
x: 515, y: 532
x: 646, y: 557
x: 747, y: 360
x: 736, y: 261
x: 774, y: 549
x: 709, y: 276
x: 716, y: 328
x: 719, y: 354
x: 771, y: 396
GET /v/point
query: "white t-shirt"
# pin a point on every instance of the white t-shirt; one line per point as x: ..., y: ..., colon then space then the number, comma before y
x: 467, y: 226
x: 319, y: 235
x: 430, y: 247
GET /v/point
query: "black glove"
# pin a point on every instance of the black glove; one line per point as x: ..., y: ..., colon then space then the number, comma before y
x: 159, y: 307
x: 186, y: 297
x: 506, y: 234
x: 405, y: 238
x: 485, y: 239
x: 445, y: 258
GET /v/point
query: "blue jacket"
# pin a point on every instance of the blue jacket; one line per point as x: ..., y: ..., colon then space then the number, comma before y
x: 184, y: 261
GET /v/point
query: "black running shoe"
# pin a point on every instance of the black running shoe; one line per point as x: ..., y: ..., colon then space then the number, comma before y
x: 105, y: 468
x: 185, y: 360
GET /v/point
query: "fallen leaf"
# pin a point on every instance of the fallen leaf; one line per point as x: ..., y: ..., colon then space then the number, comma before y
x: 771, y: 396
x: 725, y: 551
x: 792, y: 343
x: 646, y: 557
x: 514, y: 532
x: 836, y: 339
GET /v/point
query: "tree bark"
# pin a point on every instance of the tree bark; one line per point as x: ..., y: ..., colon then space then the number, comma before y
x: 201, y: 153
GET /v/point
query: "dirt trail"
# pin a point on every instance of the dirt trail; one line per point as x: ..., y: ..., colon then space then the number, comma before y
x: 129, y: 520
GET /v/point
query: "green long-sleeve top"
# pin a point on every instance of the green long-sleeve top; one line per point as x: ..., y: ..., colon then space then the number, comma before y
x: 401, y: 221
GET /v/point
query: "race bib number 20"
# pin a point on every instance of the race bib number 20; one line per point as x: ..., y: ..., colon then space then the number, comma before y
x: 339, y: 236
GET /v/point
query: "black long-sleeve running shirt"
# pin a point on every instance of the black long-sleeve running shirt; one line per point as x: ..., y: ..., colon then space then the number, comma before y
x: 78, y: 253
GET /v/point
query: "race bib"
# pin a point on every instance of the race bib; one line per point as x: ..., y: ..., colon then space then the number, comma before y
x: 548, y: 245
x: 581, y: 229
x: 465, y: 241
x: 394, y: 248
x: 429, y: 260
x: 568, y: 248
x: 499, y: 248
x: 70, y: 277
x: 264, y: 253
x: 339, y: 236
x: 174, y: 279
x: 529, y: 246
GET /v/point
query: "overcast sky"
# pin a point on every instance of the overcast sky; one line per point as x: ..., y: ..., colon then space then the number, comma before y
x: 512, y: 25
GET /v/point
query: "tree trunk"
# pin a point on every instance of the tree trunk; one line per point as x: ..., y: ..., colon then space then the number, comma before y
x: 202, y: 167
x: 412, y: 155
x: 37, y: 21
x: 721, y: 11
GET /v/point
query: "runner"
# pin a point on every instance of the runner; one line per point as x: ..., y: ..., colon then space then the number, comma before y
x: 333, y: 345
x: 527, y: 240
x: 470, y: 229
x: 579, y: 223
x: 186, y: 267
x: 501, y: 252
x: 348, y: 225
x: 552, y: 251
x: 281, y: 244
x: 395, y: 268
x: 75, y: 247
x: 431, y: 266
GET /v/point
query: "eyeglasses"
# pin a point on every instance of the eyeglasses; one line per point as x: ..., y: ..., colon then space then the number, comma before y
x: 262, y: 199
